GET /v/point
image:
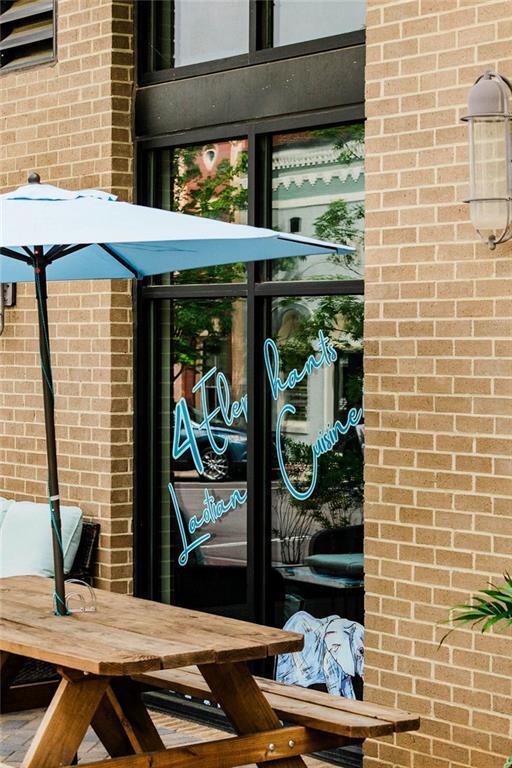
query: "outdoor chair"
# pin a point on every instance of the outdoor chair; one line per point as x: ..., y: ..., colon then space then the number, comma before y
x: 338, y: 551
x: 38, y: 671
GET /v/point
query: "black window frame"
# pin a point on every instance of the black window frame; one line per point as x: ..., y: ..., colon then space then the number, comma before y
x: 175, y: 111
x: 258, y: 290
x: 260, y: 51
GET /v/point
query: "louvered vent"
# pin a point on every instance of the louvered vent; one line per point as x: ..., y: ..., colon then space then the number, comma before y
x: 27, y: 33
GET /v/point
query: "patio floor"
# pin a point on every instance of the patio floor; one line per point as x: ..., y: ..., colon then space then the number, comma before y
x: 18, y: 729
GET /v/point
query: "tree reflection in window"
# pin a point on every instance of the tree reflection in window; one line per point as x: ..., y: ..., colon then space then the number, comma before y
x: 338, y: 496
x: 318, y: 176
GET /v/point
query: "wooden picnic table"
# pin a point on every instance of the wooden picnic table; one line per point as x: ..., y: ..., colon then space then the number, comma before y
x: 102, y: 656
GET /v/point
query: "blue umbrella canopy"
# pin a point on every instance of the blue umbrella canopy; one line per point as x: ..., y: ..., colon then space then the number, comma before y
x: 47, y: 233
x: 89, y: 234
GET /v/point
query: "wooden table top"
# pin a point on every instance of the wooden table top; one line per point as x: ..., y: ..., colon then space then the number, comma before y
x: 126, y: 635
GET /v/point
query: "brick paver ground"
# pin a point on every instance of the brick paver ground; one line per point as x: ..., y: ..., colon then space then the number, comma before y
x: 17, y: 731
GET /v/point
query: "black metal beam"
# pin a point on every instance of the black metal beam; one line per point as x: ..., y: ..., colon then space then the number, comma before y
x: 280, y: 88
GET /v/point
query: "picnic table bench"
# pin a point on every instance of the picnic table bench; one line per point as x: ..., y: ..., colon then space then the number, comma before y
x: 106, y: 658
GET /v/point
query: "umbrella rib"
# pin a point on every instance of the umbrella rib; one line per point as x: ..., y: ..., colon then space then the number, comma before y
x: 53, y: 255
x: 119, y: 259
x: 54, y: 250
x: 14, y: 255
x: 316, y: 244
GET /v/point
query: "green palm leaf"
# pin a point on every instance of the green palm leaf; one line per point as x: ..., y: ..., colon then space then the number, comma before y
x: 489, y: 610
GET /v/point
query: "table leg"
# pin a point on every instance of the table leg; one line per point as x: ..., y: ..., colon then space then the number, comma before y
x: 245, y: 705
x: 123, y: 723
x: 66, y: 721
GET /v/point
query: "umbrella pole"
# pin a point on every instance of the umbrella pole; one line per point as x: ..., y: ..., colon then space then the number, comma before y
x: 49, y: 419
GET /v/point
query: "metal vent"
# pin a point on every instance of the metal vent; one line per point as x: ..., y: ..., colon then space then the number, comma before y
x: 27, y: 33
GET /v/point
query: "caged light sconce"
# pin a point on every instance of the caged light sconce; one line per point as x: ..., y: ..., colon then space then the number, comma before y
x: 490, y: 158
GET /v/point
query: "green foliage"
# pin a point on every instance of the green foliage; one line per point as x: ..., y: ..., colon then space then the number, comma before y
x: 349, y: 139
x: 496, y: 606
x: 214, y: 195
x: 339, y: 317
x: 200, y: 327
x: 199, y: 332
x: 339, y: 488
x: 342, y: 222
x: 508, y: 764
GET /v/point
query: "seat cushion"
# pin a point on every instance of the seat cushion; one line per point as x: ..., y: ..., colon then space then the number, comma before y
x: 26, y: 539
x: 338, y: 565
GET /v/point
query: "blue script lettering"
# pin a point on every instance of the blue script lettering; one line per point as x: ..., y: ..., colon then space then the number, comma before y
x: 213, y: 510
x: 208, y: 417
x: 185, y: 439
x: 183, y: 421
x: 327, y: 356
x: 186, y: 432
x: 326, y: 440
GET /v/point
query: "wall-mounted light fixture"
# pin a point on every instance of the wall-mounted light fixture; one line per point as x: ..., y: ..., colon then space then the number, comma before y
x: 490, y: 158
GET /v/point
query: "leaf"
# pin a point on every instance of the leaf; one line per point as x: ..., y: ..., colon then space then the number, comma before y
x: 494, y: 607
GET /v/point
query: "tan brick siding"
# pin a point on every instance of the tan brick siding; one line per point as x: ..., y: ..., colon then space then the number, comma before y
x: 71, y: 121
x: 438, y: 391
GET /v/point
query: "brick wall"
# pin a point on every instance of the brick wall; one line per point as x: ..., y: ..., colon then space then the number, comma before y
x: 71, y: 121
x: 438, y: 388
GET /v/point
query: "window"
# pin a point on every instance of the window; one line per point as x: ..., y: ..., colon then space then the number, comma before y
x: 203, y: 565
x: 296, y: 21
x: 318, y: 190
x: 203, y: 180
x: 295, y: 224
x: 27, y: 33
x: 279, y: 146
x: 185, y: 37
x: 185, y: 32
x: 310, y: 535
x: 205, y: 351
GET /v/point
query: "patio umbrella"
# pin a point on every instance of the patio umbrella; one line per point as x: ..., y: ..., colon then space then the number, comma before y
x: 47, y: 233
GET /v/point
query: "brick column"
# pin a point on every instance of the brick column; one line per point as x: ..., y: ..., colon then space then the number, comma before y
x: 438, y: 388
x: 71, y: 121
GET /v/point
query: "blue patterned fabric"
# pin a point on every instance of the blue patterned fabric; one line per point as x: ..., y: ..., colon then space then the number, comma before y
x: 333, y: 653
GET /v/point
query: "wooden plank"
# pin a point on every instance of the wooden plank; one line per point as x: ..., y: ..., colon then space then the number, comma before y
x: 93, y: 641
x: 110, y: 727
x: 187, y: 680
x: 57, y: 649
x: 193, y: 628
x: 230, y: 752
x: 29, y: 696
x: 138, y: 723
x: 349, y: 717
x: 65, y: 722
x: 237, y: 692
x: 101, y: 625
x: 191, y: 677
x: 402, y: 720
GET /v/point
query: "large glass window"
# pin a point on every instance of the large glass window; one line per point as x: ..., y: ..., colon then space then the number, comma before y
x: 317, y: 486
x: 318, y: 191
x: 296, y: 21
x: 184, y: 32
x: 204, y: 180
x: 256, y: 512
x: 202, y: 453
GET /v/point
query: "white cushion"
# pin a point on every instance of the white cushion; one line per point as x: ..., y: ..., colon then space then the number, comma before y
x: 26, y: 539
